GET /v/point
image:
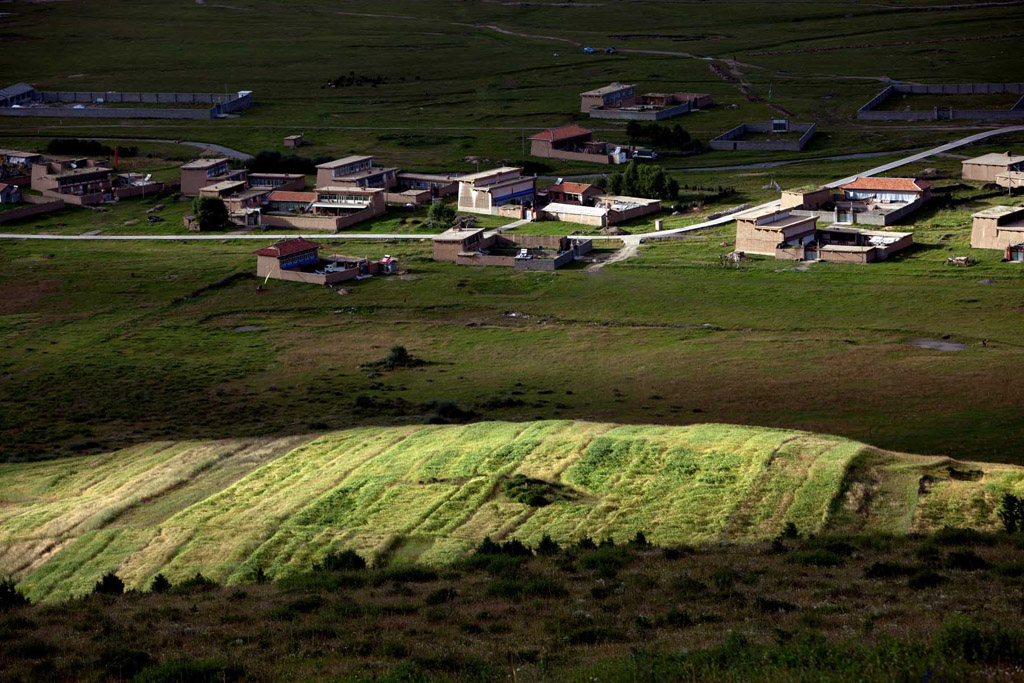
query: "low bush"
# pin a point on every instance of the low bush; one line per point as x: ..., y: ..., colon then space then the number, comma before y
x: 192, y: 671
x: 966, y: 561
x: 888, y: 570
x: 343, y: 561
x: 678, y: 618
x: 410, y: 574
x: 606, y: 560
x: 962, y: 536
x: 122, y: 663
x: 925, y: 578
x: 774, y: 606
x: 818, y: 557
x: 195, y: 584
x: 160, y: 584
x: 441, y: 596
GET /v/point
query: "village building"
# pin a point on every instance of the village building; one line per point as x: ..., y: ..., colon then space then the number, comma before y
x: 17, y: 95
x: 987, y: 167
x: 575, y: 143
x: 333, y: 208
x: 784, y: 235
x: 9, y: 194
x: 500, y: 191
x: 1002, y: 228
x: 606, y: 210
x: 277, y: 181
x: 479, y: 247
x: 359, y: 171
x: 579, y: 194
x: 293, y: 141
x: 866, y: 200
x: 77, y: 181
x: 299, y: 260
x: 129, y: 185
x: 195, y: 175
x: 18, y: 159
x: 620, y: 101
x: 437, y: 184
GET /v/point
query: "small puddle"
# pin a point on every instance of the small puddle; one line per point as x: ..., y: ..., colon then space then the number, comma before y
x: 248, y: 328
x: 938, y: 345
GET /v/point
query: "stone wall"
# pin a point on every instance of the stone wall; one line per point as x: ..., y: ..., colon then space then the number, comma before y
x: 732, y: 140
x: 641, y: 115
x: 868, y: 112
x: 211, y: 105
x: 37, y: 206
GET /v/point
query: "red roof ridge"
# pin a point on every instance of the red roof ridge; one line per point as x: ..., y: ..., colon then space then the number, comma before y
x: 875, y: 183
x: 561, y: 133
x: 292, y: 195
x: 287, y: 247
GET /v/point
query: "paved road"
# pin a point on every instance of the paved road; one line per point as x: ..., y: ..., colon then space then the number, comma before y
x: 220, y: 149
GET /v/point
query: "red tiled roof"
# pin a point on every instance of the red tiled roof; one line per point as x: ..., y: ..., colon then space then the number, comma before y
x: 571, y: 188
x: 287, y: 248
x: 888, y: 184
x: 286, y: 196
x: 3, y: 186
x: 563, y: 133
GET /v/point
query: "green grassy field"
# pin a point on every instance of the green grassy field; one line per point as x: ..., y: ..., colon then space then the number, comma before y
x: 429, y: 494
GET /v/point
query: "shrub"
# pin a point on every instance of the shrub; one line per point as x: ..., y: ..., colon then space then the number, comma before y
x: 888, y: 570
x: 191, y: 671
x: 118, y: 662
x: 1012, y: 513
x: 967, y: 561
x: 963, y: 639
x: 160, y: 584
x: 639, y: 541
x: 1012, y: 569
x: 548, y: 547
x: 961, y: 536
x: 606, y: 560
x: 344, y: 561
x: 197, y: 583
x: 110, y: 584
x: 441, y: 215
x: 445, y: 412
x: 789, y: 531
x: 10, y: 596
x: 586, y: 544
x: 441, y: 596
x: 818, y: 557
x: 678, y: 618
x: 773, y: 606
x: 930, y: 555
x: 410, y: 574
x: 925, y: 578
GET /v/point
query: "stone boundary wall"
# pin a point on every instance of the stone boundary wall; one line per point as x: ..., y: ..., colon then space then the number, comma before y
x: 40, y: 205
x: 868, y: 112
x: 216, y: 104
x: 732, y: 140
x: 325, y: 223
x: 579, y: 156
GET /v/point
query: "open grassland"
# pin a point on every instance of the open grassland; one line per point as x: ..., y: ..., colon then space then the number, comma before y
x: 429, y: 494
x: 101, y: 350
x: 446, y: 82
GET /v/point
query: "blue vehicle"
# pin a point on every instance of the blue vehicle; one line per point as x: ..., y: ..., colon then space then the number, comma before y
x: 589, y: 50
x: 609, y: 50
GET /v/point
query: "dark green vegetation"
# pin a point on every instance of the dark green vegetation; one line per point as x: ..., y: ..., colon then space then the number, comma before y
x: 883, y: 609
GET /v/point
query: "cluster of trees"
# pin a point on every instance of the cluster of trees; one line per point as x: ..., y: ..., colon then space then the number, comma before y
x: 666, y: 137
x: 642, y: 181
x: 87, y: 148
x: 270, y: 161
x: 210, y: 212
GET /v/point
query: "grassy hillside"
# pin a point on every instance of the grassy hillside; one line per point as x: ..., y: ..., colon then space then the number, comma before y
x: 429, y: 494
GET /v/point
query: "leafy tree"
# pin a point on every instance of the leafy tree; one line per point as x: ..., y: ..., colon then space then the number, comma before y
x: 1012, y: 513
x: 160, y: 584
x: 110, y: 584
x: 10, y: 596
x: 441, y: 214
x: 210, y: 212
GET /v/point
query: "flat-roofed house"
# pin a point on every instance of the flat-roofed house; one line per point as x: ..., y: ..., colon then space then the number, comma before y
x: 17, y: 158
x: 333, y: 208
x: 195, y: 175
x: 293, y: 141
x: 1000, y: 227
x: 987, y: 167
x: 299, y: 260
x: 503, y: 191
x: 294, y: 182
x: 438, y: 184
x: 580, y: 194
x: 762, y: 232
x: 359, y: 171
x: 478, y: 247
x: 17, y: 94
x: 78, y: 181
x: 608, y: 96
x: 576, y: 213
x: 286, y: 201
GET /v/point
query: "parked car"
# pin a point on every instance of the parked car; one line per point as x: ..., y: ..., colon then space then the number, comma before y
x: 589, y: 50
x: 646, y: 154
x: 610, y: 50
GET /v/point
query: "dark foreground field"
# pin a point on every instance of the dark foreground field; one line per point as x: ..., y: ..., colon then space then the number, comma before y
x: 875, y: 608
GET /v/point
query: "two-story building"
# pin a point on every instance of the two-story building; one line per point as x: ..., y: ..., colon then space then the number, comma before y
x: 575, y: 143
x: 499, y: 191
x: 77, y: 181
x: 1002, y: 228
x: 195, y: 175
x: 359, y: 171
x: 988, y: 167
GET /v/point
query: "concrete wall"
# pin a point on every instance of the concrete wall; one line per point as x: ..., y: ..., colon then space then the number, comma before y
x: 985, y: 234
x: 871, y: 218
x: 38, y: 206
x: 868, y: 112
x: 323, y: 223
x: 636, y: 212
x: 545, y: 264
x: 545, y: 151
x: 216, y: 104
x: 138, y: 191
x: 732, y: 140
